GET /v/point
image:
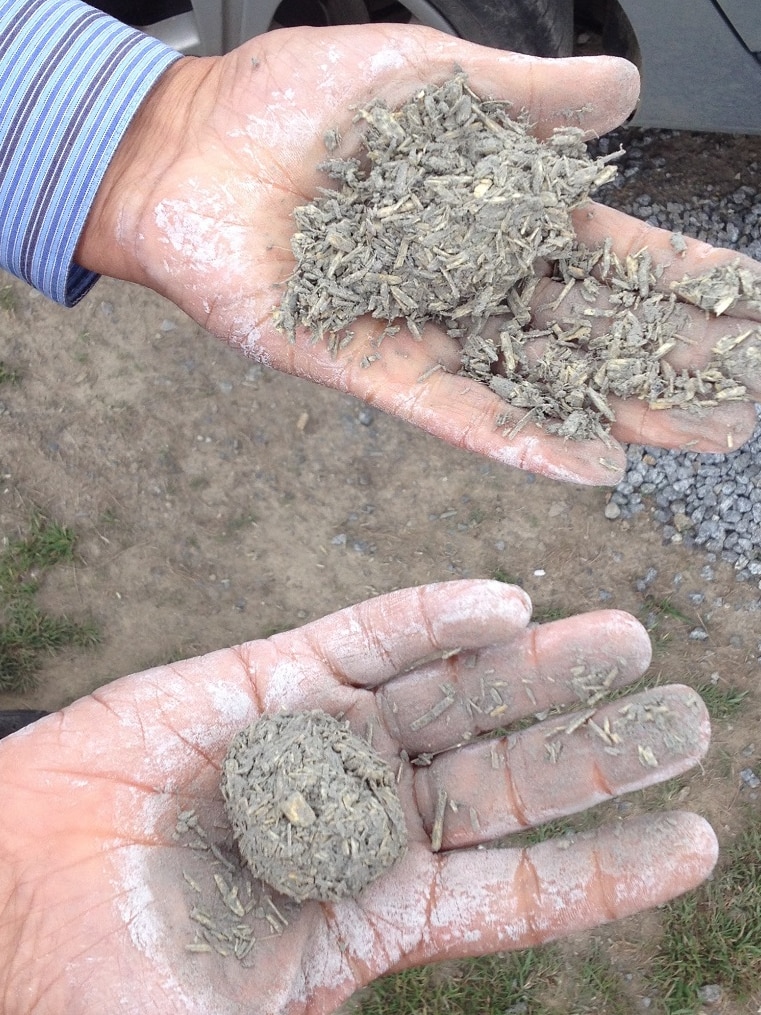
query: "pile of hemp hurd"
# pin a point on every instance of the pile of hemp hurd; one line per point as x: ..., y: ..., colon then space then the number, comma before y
x: 444, y: 218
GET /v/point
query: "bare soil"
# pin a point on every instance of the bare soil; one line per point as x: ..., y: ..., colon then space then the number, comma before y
x: 215, y: 502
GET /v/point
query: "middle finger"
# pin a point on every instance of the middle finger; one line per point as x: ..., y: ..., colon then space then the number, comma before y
x: 452, y: 700
x: 561, y: 766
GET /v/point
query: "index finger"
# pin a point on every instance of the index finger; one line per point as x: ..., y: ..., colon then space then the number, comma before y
x: 574, y: 660
x: 594, y: 93
x: 495, y: 899
x: 689, y: 258
x: 373, y: 641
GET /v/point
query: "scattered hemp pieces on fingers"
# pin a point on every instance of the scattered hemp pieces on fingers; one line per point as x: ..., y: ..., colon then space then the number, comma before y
x: 721, y: 289
x: 314, y: 809
x: 613, y: 339
x: 444, y: 217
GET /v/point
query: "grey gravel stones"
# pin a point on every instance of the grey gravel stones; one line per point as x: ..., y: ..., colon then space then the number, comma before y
x: 749, y: 778
x: 712, y: 502
x: 314, y: 809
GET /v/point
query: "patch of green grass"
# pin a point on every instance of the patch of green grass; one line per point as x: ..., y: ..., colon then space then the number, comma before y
x: 655, y: 615
x: 8, y: 376
x: 556, y: 829
x: 500, y: 575
x: 662, y: 608
x: 545, y: 614
x: 7, y: 299
x: 26, y: 633
x: 490, y: 985
x: 109, y: 517
x: 723, y: 703
x: 600, y: 987
x: 713, y: 935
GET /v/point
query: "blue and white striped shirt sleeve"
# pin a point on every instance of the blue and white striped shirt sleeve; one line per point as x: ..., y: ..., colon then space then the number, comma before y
x: 71, y: 80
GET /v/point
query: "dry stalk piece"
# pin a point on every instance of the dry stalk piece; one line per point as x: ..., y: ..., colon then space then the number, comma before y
x: 433, y: 713
x: 591, y: 686
x: 721, y: 289
x: 227, y: 910
x: 443, y: 218
x: 314, y: 809
x: 437, y: 830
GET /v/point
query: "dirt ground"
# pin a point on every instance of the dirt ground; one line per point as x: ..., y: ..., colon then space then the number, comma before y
x: 215, y: 501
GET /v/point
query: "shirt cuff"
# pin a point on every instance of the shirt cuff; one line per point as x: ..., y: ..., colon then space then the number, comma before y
x: 71, y: 80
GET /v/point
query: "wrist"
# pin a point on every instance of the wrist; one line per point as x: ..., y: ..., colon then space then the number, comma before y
x: 114, y: 236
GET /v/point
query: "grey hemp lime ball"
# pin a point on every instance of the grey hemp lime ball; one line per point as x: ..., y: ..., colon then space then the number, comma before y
x: 314, y: 809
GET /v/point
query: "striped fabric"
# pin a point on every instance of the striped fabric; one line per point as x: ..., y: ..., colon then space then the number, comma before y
x: 71, y: 79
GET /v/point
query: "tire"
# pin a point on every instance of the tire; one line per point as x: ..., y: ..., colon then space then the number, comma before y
x: 537, y: 27
x: 12, y: 720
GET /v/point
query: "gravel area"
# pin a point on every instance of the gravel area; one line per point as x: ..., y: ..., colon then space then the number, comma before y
x: 709, y: 501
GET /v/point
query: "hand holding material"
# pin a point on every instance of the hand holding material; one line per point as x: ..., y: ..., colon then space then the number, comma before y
x: 198, y: 204
x: 103, y: 905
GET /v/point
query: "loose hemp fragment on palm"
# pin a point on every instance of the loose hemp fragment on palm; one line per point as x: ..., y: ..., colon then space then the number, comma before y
x: 445, y: 216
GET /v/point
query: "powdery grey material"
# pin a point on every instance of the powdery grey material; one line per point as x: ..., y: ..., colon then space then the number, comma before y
x: 712, y: 502
x: 314, y: 809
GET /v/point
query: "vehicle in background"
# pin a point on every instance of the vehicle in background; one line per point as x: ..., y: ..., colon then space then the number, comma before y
x: 700, y: 60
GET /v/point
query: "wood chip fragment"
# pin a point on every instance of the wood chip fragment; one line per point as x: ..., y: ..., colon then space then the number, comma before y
x: 437, y: 832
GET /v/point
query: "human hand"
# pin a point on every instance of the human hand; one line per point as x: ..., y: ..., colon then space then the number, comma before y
x: 100, y: 896
x: 199, y: 199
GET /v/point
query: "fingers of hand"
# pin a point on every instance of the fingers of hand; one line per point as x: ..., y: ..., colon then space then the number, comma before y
x: 717, y: 430
x: 593, y: 93
x: 520, y: 674
x: 698, y: 338
x: 492, y: 900
x: 560, y: 766
x: 673, y: 262
x: 367, y: 644
x: 658, y: 354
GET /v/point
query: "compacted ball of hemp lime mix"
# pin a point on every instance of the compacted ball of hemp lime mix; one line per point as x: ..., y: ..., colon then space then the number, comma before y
x: 314, y: 809
x: 444, y: 216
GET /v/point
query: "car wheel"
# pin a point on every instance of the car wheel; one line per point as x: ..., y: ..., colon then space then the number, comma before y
x: 538, y: 27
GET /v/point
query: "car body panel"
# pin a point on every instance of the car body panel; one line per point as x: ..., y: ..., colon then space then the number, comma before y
x: 696, y: 72
x: 745, y: 18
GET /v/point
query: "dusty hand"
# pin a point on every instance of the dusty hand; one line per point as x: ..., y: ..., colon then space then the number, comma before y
x: 100, y: 896
x: 198, y: 205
